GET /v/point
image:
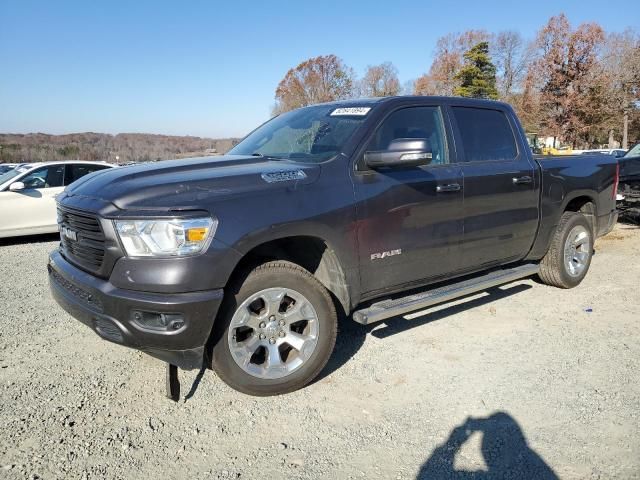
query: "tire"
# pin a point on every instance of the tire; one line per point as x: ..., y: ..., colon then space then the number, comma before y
x: 276, y: 306
x: 562, y: 271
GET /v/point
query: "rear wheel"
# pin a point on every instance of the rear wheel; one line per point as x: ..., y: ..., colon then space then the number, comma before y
x: 569, y: 256
x: 276, y: 331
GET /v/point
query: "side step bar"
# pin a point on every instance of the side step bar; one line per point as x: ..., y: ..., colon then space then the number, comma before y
x: 400, y: 306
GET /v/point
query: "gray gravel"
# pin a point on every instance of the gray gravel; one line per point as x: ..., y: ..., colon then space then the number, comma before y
x: 528, y: 381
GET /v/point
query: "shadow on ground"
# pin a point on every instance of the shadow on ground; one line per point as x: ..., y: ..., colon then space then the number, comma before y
x: 352, y: 335
x: 504, y: 448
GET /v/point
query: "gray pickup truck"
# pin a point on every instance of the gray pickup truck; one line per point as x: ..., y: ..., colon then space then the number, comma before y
x: 363, y: 209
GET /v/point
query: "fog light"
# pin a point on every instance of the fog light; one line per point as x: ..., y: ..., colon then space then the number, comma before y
x: 158, y: 321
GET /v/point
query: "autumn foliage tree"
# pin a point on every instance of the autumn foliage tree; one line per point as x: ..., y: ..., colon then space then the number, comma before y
x: 448, y: 60
x: 565, y: 70
x: 575, y: 84
x: 316, y: 80
x: 477, y: 77
x: 380, y: 81
x: 527, y: 103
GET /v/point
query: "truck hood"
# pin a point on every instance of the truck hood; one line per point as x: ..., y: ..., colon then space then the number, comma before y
x: 188, y: 183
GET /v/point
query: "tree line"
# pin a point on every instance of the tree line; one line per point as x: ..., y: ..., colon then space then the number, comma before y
x: 121, y: 148
x: 578, y: 84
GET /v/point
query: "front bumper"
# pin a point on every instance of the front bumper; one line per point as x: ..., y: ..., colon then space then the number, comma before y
x: 114, y: 314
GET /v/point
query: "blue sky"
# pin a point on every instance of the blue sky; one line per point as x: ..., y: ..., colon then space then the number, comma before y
x: 210, y: 68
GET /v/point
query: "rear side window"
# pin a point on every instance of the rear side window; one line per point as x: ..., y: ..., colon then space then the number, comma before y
x: 76, y: 171
x: 486, y: 134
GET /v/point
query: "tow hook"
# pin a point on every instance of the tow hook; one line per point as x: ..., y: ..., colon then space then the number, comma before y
x: 173, y: 383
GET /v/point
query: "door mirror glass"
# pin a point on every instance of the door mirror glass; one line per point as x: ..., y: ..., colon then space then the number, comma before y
x: 16, y: 187
x: 402, y: 152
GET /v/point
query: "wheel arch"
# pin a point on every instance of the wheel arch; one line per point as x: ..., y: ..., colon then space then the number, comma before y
x: 581, y: 201
x: 585, y: 204
x: 312, y: 253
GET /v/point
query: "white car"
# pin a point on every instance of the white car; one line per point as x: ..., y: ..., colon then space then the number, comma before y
x: 616, y: 152
x: 5, y: 167
x: 27, y: 195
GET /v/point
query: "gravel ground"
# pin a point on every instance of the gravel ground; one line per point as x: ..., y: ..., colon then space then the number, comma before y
x: 526, y: 381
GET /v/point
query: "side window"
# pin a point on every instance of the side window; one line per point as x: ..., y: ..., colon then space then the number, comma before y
x: 486, y: 134
x: 45, y: 177
x: 413, y: 122
x: 76, y: 171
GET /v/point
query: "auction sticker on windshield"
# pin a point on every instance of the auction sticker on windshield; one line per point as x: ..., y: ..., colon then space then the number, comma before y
x: 353, y: 111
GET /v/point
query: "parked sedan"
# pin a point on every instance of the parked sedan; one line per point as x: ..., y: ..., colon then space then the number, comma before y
x: 28, y: 191
x: 5, y: 167
x: 616, y: 152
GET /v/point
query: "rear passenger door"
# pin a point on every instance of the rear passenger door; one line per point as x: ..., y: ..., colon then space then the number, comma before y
x: 500, y: 188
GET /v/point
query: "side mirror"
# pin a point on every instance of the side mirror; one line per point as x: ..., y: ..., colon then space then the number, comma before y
x: 16, y: 187
x: 402, y: 152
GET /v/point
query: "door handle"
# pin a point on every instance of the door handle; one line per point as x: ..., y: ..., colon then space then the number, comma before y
x: 522, y: 180
x: 451, y: 187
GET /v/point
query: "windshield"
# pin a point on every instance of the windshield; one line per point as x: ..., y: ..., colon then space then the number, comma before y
x: 6, y: 176
x: 311, y: 134
x: 634, y: 152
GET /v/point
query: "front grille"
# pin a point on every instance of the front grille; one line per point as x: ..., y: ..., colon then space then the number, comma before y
x: 87, y: 248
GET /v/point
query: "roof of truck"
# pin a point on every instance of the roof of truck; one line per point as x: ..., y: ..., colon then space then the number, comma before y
x: 423, y: 98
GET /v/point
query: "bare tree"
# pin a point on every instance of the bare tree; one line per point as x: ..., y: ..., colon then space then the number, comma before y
x: 511, y: 56
x: 621, y: 67
x: 380, y: 81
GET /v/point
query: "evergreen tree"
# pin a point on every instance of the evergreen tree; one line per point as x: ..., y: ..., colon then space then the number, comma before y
x: 477, y: 76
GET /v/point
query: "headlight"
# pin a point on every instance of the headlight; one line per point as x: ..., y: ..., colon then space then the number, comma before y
x: 165, y: 238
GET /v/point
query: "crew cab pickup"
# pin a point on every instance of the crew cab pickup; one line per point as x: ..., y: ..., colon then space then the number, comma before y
x: 363, y: 209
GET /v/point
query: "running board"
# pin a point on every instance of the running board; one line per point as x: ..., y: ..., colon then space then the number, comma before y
x: 400, y: 306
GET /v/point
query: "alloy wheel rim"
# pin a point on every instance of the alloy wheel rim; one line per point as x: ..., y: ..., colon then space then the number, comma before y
x: 577, y: 249
x: 273, y: 333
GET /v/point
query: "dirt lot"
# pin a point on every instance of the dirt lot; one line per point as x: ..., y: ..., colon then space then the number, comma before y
x: 526, y: 381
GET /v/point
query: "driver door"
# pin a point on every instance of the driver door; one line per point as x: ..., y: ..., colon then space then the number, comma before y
x: 410, y: 219
x: 33, y: 209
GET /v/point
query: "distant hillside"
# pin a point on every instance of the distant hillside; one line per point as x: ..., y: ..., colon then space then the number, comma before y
x: 127, y: 147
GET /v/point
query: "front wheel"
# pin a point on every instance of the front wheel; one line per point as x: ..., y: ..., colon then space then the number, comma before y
x: 275, y: 332
x: 569, y: 256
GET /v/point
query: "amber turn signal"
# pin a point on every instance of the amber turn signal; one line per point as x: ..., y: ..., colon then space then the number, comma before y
x: 196, y: 234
